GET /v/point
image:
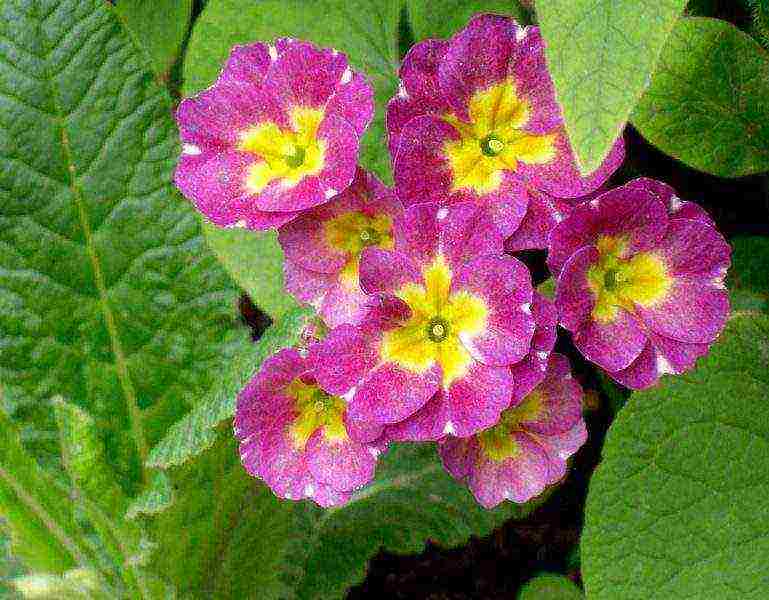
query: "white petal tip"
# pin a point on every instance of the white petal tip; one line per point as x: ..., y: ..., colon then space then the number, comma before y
x: 402, y: 93
x: 663, y: 366
x: 330, y: 193
x: 373, y: 451
x: 191, y: 149
x: 542, y: 355
x: 309, y: 491
x: 593, y: 203
x: 346, y: 76
x: 442, y: 213
x: 239, y: 224
x: 526, y: 308
x: 675, y: 204
x: 273, y: 51
x: 449, y: 428
x: 520, y: 34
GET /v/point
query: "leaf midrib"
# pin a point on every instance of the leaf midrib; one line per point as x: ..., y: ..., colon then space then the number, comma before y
x: 132, y: 405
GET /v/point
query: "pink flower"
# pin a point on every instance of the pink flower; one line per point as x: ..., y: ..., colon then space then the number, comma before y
x: 276, y: 134
x: 323, y: 247
x: 293, y: 434
x: 640, y: 281
x: 476, y: 119
x: 527, y: 450
x: 448, y: 313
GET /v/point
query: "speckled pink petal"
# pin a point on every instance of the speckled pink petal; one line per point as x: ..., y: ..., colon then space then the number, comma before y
x: 278, y: 371
x: 307, y: 286
x: 427, y: 424
x: 542, y: 215
x: 475, y: 401
x: 531, y: 370
x: 343, y: 358
x: 642, y: 372
x: 519, y: 478
x: 504, y: 283
x: 246, y: 64
x: 612, y: 346
x: 561, y: 404
x: 458, y: 455
x: 353, y: 101
x: 278, y: 197
x: 692, y: 311
x: 344, y: 465
x: 326, y: 497
x: 560, y: 447
x: 625, y: 211
x: 304, y: 241
x: 466, y: 231
x: 303, y: 74
x: 343, y: 304
x: 386, y: 270
x: 561, y: 177
x: 694, y: 249
x: 364, y: 431
x: 573, y: 296
x: 389, y: 393
x: 476, y: 58
x: 417, y: 233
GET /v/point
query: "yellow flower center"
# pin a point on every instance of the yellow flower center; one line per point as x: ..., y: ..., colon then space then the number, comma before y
x: 438, y: 319
x: 624, y: 283
x: 497, y: 442
x: 287, y: 154
x: 494, y: 141
x: 353, y: 231
x: 315, y: 409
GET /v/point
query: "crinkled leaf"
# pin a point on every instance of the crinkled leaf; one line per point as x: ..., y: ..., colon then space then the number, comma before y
x: 109, y: 296
x: 36, y: 511
x: 255, y: 260
x: 159, y: 27
x: 708, y: 102
x: 443, y: 18
x: 549, y: 586
x: 156, y: 498
x: 228, y: 535
x: 749, y: 276
x: 196, y: 431
x: 677, y: 508
x: 601, y: 54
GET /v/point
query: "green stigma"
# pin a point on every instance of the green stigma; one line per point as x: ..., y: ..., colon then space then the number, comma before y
x: 437, y: 329
x: 491, y: 145
x: 296, y: 159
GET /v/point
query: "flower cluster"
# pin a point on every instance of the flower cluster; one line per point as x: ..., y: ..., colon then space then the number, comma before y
x: 433, y: 330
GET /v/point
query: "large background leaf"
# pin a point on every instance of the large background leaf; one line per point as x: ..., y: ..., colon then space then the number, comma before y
x: 444, y: 18
x: 708, y: 102
x: 677, y: 508
x: 109, y: 296
x: 601, y: 54
x: 366, y: 30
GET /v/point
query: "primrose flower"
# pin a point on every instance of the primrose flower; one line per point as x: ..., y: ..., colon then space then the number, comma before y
x: 527, y: 450
x: 448, y: 312
x: 293, y: 434
x: 640, y: 281
x: 323, y: 246
x: 276, y: 134
x: 429, y: 422
x: 476, y: 119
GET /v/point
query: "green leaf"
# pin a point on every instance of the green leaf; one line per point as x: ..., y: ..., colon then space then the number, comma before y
x: 366, y: 30
x: 601, y: 54
x: 760, y: 10
x: 444, y: 18
x: 76, y: 584
x: 707, y: 103
x: 748, y: 279
x: 153, y: 500
x: 549, y: 586
x: 677, y: 508
x: 196, y: 431
x: 254, y: 259
x: 228, y: 535
x: 159, y: 28
x: 109, y: 296
x: 37, y: 512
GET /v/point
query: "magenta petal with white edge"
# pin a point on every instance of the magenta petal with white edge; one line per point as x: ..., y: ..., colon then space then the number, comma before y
x: 692, y: 311
x: 475, y: 401
x: 343, y: 358
x: 246, y: 64
x: 627, y: 212
x: 344, y: 465
x: 390, y: 393
x: 559, y: 398
x: 386, y: 271
x: 542, y: 215
x: 573, y: 295
x: 476, y: 58
x: 519, y: 478
x: 504, y: 283
x: 694, y: 249
x: 613, y: 345
x: 458, y: 455
x: 530, y: 371
x: 417, y: 232
x: 467, y: 231
x: 560, y: 447
x: 427, y: 424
